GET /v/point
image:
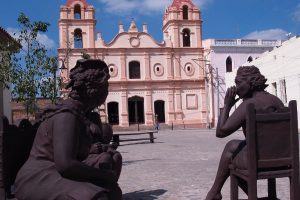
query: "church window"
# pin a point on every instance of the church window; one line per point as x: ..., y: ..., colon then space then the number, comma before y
x: 77, y: 12
x: 78, y: 43
x: 250, y: 59
x: 134, y: 70
x: 228, y: 64
x: 185, y: 12
x: 186, y: 34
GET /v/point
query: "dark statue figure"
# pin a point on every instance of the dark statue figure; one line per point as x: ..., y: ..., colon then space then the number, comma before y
x: 250, y: 85
x: 60, y: 165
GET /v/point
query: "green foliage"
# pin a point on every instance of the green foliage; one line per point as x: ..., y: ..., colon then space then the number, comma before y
x: 85, y: 55
x: 32, y: 71
x: 5, y: 65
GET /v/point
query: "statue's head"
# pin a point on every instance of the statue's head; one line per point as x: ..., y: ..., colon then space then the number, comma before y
x: 89, y: 81
x: 249, y: 79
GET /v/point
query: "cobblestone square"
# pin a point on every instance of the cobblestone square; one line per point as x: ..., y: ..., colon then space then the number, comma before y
x: 180, y: 165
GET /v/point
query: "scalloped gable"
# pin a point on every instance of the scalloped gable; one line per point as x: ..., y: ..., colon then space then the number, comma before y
x: 179, y: 3
x: 70, y: 2
x: 129, y: 40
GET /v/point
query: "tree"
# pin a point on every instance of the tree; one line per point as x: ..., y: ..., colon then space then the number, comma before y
x: 7, y: 48
x: 33, y: 70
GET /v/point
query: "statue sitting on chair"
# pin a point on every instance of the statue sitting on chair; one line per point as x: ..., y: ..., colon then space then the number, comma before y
x: 250, y: 85
x: 60, y: 166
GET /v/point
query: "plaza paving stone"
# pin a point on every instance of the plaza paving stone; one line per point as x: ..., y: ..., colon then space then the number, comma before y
x: 180, y: 165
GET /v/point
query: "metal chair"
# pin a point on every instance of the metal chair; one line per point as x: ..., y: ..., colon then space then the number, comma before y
x: 272, y: 151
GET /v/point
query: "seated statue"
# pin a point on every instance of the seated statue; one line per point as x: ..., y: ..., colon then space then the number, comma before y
x: 250, y: 85
x: 60, y: 166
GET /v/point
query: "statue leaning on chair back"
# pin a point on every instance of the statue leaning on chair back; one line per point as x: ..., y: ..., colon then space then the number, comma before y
x: 60, y: 166
x: 250, y: 85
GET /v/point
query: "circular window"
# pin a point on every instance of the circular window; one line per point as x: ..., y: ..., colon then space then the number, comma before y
x: 134, y: 41
x: 158, y: 69
x: 189, y: 69
x: 113, y: 70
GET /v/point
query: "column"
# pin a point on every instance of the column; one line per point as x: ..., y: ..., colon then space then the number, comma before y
x: 179, y: 113
x: 171, y: 112
x: 91, y: 38
x: 82, y: 13
x: 149, y: 107
x: 177, y: 67
x: 123, y: 66
x: 198, y: 37
x: 176, y: 40
x: 124, y: 122
x: 170, y: 66
x: 147, y: 66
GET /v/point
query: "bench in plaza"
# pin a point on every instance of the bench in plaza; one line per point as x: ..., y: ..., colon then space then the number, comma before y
x: 117, y: 140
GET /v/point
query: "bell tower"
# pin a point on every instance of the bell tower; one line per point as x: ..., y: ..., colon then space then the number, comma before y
x: 182, y: 24
x: 77, y: 25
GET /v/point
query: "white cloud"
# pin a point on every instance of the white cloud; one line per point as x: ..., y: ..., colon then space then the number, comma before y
x: 41, y: 37
x: 296, y: 14
x: 46, y: 41
x: 271, y: 34
x: 121, y: 7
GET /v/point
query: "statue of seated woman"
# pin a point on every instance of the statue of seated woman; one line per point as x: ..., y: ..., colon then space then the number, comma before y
x: 250, y: 85
x: 60, y: 166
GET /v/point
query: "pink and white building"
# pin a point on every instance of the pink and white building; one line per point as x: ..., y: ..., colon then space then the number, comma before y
x: 149, y: 79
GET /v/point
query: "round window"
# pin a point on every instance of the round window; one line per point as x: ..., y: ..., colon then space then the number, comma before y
x: 189, y: 69
x: 113, y: 70
x: 158, y: 69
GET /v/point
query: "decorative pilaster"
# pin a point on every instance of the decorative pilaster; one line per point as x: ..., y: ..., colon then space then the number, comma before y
x: 169, y: 66
x: 149, y: 107
x: 124, y: 109
x: 91, y: 37
x: 176, y: 40
x: 171, y: 112
x: 177, y: 67
x: 147, y: 67
x: 123, y: 67
x: 179, y: 113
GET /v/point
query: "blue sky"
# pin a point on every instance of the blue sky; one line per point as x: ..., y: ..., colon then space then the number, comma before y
x: 223, y: 19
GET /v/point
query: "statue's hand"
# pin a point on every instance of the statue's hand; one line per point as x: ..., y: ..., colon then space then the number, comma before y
x: 96, y: 148
x: 230, y: 97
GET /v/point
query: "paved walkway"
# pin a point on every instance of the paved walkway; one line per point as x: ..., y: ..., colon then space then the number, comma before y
x: 180, y: 165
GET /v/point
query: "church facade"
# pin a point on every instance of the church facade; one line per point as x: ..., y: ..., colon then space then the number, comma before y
x: 150, y: 81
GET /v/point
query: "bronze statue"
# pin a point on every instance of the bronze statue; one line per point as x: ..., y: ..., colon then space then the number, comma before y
x: 250, y: 85
x: 60, y: 166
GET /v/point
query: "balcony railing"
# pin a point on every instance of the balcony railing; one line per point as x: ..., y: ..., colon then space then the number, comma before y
x: 245, y: 42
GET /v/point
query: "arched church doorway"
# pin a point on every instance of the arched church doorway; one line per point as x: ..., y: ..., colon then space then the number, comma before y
x: 136, y: 110
x: 113, y: 113
x: 159, y: 110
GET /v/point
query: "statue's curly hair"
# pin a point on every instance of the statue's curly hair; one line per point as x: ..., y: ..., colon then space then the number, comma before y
x: 88, y: 78
x: 252, y: 74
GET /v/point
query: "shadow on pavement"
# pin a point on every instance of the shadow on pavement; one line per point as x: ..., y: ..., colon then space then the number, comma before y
x: 134, y: 143
x: 134, y: 161
x: 144, y: 195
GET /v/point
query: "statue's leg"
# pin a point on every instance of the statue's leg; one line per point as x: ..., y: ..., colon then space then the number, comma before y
x: 105, y: 161
x: 115, y: 194
x: 117, y: 163
x: 223, y: 170
x: 102, y: 196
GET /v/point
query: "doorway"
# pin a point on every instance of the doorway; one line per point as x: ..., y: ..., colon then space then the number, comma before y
x: 136, y: 110
x: 159, y: 110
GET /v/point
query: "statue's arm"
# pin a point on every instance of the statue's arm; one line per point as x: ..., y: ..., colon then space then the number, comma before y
x: 229, y: 124
x: 66, y: 129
